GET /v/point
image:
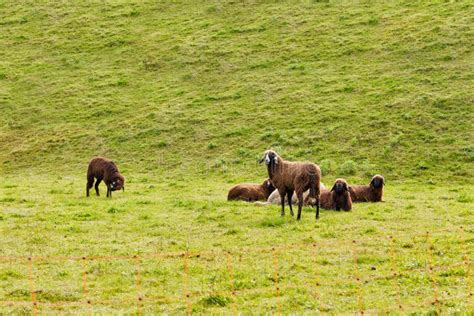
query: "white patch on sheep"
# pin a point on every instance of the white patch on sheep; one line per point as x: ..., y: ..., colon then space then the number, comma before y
x: 267, y: 159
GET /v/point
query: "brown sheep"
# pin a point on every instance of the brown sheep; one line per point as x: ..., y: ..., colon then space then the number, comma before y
x: 104, y: 169
x: 289, y: 177
x: 251, y: 192
x: 368, y: 193
x: 338, y: 197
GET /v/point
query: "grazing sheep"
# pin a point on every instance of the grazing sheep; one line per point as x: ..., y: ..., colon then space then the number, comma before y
x: 104, y: 169
x: 251, y: 192
x: 274, y: 198
x: 289, y: 177
x: 368, y: 193
x: 338, y: 197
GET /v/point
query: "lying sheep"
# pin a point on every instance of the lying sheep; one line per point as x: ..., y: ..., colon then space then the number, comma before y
x: 368, y: 193
x: 289, y: 177
x: 251, y: 192
x: 338, y: 197
x: 275, y: 198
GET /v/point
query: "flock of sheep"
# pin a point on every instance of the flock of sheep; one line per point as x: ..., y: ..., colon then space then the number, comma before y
x: 288, y: 183
x: 304, y: 178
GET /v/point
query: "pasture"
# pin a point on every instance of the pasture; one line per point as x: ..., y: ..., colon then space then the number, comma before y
x: 185, y: 97
x: 318, y: 263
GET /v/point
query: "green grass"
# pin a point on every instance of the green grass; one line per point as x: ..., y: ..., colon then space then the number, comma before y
x: 152, y: 221
x: 185, y: 97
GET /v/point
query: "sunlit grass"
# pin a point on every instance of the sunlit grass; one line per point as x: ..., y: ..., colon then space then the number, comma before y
x: 318, y: 262
x: 185, y: 97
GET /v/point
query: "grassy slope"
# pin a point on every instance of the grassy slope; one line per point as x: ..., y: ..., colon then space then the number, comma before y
x: 384, y: 85
x: 187, y: 96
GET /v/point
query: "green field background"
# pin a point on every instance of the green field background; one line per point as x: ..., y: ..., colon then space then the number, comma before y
x: 185, y: 96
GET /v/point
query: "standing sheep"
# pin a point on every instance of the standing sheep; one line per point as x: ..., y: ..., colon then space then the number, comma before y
x: 368, y: 193
x: 104, y: 169
x: 251, y: 192
x: 289, y: 177
x: 338, y: 197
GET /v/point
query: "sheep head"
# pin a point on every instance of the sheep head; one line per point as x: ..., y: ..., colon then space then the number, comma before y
x: 267, y: 184
x: 118, y: 183
x: 271, y: 159
x: 340, y: 186
x: 377, y: 181
x: 270, y: 156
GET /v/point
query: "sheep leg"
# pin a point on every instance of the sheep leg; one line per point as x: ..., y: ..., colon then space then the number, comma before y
x: 97, y: 186
x: 89, y: 186
x: 90, y: 182
x: 317, y: 207
x: 300, y: 204
x: 282, y: 199
x: 290, y: 197
x: 109, y: 192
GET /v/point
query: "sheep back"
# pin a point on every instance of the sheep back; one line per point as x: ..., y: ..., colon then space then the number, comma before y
x: 102, y: 168
x: 251, y: 192
x: 364, y: 193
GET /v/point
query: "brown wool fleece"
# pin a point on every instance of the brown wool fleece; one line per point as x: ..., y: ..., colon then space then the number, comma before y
x: 368, y: 193
x: 334, y: 200
x: 106, y: 170
x: 251, y: 192
x: 297, y: 177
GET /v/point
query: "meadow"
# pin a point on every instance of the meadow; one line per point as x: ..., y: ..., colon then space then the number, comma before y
x: 185, y: 97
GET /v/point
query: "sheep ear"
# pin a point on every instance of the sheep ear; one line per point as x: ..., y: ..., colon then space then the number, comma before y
x: 333, y: 187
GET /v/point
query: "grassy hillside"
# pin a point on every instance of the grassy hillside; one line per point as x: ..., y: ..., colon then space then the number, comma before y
x: 185, y: 96
x: 372, y: 87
